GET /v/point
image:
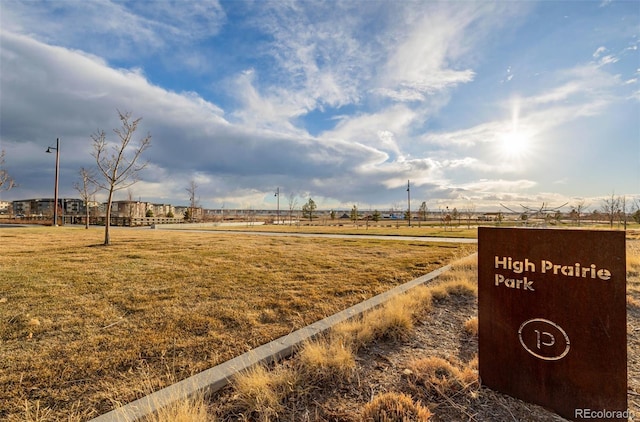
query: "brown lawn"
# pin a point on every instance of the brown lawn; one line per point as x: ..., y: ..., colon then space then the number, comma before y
x: 82, y: 325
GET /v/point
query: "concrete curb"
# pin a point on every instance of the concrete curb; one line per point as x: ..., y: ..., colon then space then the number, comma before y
x: 214, y: 379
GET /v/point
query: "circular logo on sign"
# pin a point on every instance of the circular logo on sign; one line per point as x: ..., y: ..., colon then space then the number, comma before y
x: 544, y: 339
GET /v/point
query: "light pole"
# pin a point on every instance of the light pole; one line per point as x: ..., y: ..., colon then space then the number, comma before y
x: 55, y: 191
x: 409, y: 203
x: 278, y: 209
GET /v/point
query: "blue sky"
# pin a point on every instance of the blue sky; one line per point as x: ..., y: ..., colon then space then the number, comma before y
x: 477, y: 103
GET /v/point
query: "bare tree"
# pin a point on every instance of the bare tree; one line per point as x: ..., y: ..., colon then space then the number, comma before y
x: 354, y: 215
x: 118, y: 162
x: 191, y: 190
x: 469, y: 211
x: 422, y: 212
x: 611, y: 208
x: 635, y: 210
x: 6, y: 182
x: 622, y: 213
x: 86, y: 188
x: 577, y: 211
x: 130, y: 208
x: 293, y: 203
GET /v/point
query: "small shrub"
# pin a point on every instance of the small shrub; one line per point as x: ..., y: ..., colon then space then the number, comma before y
x: 191, y: 410
x: 353, y: 333
x: 394, y: 407
x: 469, y: 374
x: 423, y: 298
x: 394, y: 320
x: 455, y: 286
x: 466, y: 264
x: 441, y: 376
x: 471, y: 326
x: 327, y: 359
x: 463, y: 287
x: 436, y: 374
x: 262, y: 392
x: 439, y: 291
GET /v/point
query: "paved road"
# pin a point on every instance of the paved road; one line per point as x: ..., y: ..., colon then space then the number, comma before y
x: 339, y: 236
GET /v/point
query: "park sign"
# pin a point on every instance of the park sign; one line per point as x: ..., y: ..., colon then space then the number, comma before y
x: 552, y: 326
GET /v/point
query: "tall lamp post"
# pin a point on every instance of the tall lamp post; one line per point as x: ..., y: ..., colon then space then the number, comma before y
x: 278, y: 209
x: 55, y: 191
x: 409, y: 203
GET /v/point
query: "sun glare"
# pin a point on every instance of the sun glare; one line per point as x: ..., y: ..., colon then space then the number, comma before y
x: 515, y: 145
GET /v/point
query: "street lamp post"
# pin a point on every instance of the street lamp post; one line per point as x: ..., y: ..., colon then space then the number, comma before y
x: 278, y: 209
x: 409, y: 203
x: 55, y: 191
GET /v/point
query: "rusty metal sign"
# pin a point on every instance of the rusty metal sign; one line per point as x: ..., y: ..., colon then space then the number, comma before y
x: 552, y: 324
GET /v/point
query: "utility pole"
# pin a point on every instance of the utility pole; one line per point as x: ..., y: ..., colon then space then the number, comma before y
x: 409, y: 203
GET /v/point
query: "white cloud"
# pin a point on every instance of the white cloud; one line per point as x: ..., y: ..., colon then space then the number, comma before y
x: 599, y: 51
x: 118, y: 30
x: 498, y: 185
x: 366, y: 128
x: 608, y: 59
x: 317, y: 52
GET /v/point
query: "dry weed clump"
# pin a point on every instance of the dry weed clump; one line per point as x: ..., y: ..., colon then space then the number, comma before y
x: 190, y: 410
x: 394, y: 407
x: 441, y: 376
x: 471, y: 326
x: 459, y: 280
x: 327, y: 360
x: 422, y: 298
x: 392, y: 321
x: 354, y: 333
x: 456, y: 284
x: 261, y: 392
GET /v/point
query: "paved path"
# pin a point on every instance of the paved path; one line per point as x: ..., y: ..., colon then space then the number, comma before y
x: 338, y: 236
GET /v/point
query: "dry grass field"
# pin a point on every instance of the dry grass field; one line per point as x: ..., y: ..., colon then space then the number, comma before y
x: 415, y: 360
x: 384, y: 229
x: 85, y: 327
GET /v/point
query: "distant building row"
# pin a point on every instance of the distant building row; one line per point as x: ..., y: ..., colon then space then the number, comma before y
x: 43, y: 207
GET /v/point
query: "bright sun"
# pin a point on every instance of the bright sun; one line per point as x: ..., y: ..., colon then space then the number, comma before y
x: 515, y: 145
